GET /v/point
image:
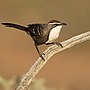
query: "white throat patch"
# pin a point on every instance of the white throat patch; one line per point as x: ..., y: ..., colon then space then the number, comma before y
x: 54, y: 34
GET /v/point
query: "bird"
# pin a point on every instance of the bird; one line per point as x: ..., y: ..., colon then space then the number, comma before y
x: 41, y: 33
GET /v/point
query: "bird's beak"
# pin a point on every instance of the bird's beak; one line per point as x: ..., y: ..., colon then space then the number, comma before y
x: 63, y: 24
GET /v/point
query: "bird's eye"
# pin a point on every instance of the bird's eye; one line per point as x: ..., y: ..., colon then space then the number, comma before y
x: 55, y: 25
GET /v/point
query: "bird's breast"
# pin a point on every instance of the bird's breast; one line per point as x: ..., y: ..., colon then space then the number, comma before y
x: 54, y: 34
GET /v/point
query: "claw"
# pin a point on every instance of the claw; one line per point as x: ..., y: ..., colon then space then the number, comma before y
x: 59, y: 44
x: 43, y: 53
x: 42, y: 57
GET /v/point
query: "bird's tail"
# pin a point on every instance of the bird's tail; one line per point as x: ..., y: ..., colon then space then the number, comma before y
x: 15, y: 26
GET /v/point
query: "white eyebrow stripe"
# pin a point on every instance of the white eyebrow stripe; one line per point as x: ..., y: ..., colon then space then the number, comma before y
x: 53, y: 23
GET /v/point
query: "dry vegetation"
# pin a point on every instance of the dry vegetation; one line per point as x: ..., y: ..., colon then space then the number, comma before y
x: 10, y: 84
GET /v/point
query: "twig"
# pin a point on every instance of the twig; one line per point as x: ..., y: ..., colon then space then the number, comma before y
x: 50, y: 51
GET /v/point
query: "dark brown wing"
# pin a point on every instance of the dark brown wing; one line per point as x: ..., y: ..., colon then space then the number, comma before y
x: 35, y: 29
x: 39, y: 33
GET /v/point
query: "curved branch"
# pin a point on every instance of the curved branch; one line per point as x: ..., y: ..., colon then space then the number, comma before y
x: 50, y: 51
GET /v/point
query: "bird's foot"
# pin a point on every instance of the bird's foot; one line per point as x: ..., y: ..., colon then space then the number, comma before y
x: 42, y: 56
x: 43, y: 53
x: 57, y: 43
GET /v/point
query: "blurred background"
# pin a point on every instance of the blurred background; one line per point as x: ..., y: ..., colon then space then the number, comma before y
x: 67, y: 70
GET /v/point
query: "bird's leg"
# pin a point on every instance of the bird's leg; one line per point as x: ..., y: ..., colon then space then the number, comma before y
x: 39, y: 52
x: 57, y: 43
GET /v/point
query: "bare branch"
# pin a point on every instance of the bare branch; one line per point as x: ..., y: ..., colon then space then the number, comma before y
x: 50, y: 51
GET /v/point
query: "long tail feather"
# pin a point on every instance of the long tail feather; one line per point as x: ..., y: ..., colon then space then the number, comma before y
x: 15, y: 26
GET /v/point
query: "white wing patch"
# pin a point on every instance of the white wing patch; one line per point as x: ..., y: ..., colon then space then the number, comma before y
x: 54, y: 34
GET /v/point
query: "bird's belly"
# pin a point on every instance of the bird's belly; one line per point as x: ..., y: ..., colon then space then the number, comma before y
x: 40, y: 40
x: 54, y: 34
